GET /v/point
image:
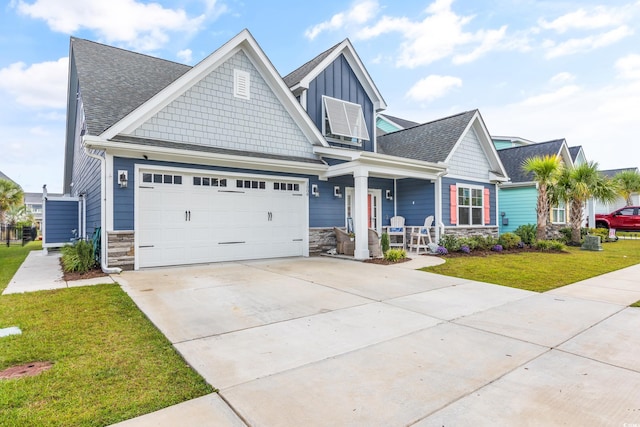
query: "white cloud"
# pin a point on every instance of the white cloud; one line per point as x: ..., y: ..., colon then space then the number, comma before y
x: 433, y: 87
x: 586, y: 44
x: 599, y: 17
x: 562, y: 78
x: 629, y: 67
x: 41, y: 85
x: 359, y: 13
x: 551, y: 98
x: 185, y: 55
x: 144, y: 26
x: 439, y: 35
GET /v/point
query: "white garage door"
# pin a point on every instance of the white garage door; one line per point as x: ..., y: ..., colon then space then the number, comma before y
x: 189, y: 218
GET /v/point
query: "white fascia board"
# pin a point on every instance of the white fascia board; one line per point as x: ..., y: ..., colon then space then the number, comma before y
x: 377, y: 158
x: 243, y: 41
x: 346, y: 48
x: 518, y: 184
x: 387, y: 167
x: 126, y: 149
x: 565, y: 154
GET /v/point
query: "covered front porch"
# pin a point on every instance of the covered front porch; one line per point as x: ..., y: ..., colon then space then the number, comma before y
x: 363, y: 190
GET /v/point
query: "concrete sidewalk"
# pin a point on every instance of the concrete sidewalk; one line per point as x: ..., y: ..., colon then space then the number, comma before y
x: 40, y: 272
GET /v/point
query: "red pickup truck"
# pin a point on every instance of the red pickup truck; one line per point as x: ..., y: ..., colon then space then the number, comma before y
x: 624, y: 219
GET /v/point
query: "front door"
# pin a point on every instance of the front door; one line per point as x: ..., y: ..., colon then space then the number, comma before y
x: 373, y: 208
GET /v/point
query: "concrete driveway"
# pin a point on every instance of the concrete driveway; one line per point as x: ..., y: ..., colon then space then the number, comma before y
x: 320, y: 341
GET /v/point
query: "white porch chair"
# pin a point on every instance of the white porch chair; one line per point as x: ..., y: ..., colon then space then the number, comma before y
x: 396, y: 232
x: 419, y: 235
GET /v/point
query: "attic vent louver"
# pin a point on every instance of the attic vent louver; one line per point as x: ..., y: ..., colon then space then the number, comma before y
x: 241, y: 84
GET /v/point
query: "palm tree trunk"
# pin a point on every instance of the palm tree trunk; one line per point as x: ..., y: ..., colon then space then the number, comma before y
x: 575, y: 219
x: 542, y: 210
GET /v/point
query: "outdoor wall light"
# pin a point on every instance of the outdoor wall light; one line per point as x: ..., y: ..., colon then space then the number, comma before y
x: 389, y: 195
x: 314, y: 190
x: 336, y: 192
x: 122, y: 178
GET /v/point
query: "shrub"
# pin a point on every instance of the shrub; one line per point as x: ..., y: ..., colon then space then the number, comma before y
x: 78, y: 257
x: 485, y: 243
x: 527, y: 233
x: 602, y: 232
x: 465, y: 249
x: 550, y: 245
x: 471, y: 243
x: 394, y: 255
x: 497, y: 248
x: 566, y: 234
x: 509, y: 240
x: 384, y: 243
x: 450, y: 242
x: 442, y: 250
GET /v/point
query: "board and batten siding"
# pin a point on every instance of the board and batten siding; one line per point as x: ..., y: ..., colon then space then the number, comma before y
x: 415, y: 200
x: 469, y: 159
x: 446, y: 200
x: 519, y: 207
x: 209, y: 114
x: 339, y: 81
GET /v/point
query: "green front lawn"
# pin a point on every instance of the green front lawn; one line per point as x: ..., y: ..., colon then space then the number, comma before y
x: 109, y: 362
x: 540, y: 272
x: 11, y: 258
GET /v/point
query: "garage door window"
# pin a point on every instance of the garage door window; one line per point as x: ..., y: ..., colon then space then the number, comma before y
x: 259, y: 185
x: 207, y: 181
x: 286, y: 186
x: 159, y: 178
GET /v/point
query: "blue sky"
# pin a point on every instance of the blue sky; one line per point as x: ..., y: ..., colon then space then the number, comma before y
x: 539, y: 70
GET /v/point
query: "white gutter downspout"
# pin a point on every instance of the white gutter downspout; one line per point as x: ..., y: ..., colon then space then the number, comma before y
x: 103, y: 214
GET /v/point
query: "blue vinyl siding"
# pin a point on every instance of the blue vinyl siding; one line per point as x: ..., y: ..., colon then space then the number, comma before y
x: 446, y: 199
x: 415, y: 200
x: 339, y: 81
x: 519, y: 206
x: 61, y: 216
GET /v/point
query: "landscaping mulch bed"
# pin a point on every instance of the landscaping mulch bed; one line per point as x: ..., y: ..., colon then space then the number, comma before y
x: 383, y: 261
x: 74, y: 275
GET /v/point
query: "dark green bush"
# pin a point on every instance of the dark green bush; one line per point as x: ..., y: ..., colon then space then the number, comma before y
x: 484, y: 243
x: 509, y: 240
x: 550, y: 245
x: 78, y: 257
x: 472, y: 244
x: 384, y: 243
x: 527, y: 233
x: 394, y: 255
x: 450, y: 242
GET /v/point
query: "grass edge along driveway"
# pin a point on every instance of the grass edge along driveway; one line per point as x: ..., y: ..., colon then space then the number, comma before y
x: 110, y: 363
x: 542, y: 271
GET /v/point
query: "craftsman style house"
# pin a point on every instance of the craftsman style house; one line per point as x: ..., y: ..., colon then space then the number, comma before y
x: 227, y: 160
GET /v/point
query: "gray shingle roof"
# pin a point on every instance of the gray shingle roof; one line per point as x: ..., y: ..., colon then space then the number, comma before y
x: 402, y: 122
x: 512, y: 158
x: 610, y: 173
x: 114, y: 82
x: 574, y: 152
x: 294, y: 77
x: 429, y: 142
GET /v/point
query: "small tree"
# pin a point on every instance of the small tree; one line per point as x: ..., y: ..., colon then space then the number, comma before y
x: 577, y: 185
x: 10, y: 195
x: 628, y: 183
x: 545, y: 171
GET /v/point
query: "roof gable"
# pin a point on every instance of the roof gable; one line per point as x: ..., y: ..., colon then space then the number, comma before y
x: 513, y: 158
x: 300, y: 79
x: 244, y: 42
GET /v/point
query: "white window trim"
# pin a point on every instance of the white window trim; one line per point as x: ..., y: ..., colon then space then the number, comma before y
x: 339, y: 140
x: 471, y: 187
x: 558, y: 208
x: 241, y: 84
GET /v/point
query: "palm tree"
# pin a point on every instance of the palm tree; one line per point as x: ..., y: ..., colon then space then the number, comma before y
x: 545, y: 170
x: 628, y: 183
x: 10, y: 195
x: 577, y: 185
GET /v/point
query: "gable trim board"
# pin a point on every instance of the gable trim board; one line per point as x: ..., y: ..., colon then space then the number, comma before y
x: 245, y: 42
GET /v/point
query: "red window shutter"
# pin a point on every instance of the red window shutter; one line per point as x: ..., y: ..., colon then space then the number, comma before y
x: 487, y: 206
x: 453, y: 193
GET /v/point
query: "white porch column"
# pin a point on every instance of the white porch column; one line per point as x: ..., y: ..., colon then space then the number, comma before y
x: 591, y: 212
x: 438, y: 223
x: 361, y: 220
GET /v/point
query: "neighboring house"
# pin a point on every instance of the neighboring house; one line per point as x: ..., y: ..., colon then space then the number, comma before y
x: 502, y: 142
x: 33, y: 202
x: 577, y: 155
x: 519, y: 196
x: 226, y: 160
x: 387, y: 124
x: 604, y: 208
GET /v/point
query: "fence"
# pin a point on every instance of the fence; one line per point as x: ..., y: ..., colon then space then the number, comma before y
x: 17, y: 235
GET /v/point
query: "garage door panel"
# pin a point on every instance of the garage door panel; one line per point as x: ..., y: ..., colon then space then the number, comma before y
x: 188, y: 223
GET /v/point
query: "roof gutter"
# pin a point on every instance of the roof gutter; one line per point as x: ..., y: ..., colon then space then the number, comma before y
x: 103, y: 212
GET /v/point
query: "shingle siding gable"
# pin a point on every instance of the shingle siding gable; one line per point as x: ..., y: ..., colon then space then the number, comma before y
x: 469, y: 159
x: 208, y: 114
